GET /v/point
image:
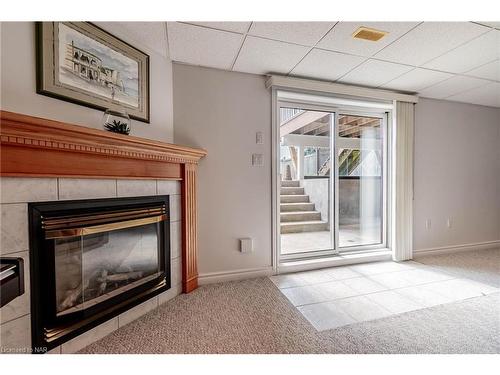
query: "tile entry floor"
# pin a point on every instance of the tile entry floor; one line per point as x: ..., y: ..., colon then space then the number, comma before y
x: 334, y: 297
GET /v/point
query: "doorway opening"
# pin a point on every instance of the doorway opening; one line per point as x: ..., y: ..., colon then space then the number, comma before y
x: 332, y: 179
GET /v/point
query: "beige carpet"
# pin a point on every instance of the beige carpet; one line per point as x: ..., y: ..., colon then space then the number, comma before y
x: 252, y: 316
x: 481, y: 265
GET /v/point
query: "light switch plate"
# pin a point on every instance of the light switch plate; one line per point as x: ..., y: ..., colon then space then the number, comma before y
x: 257, y: 160
x: 259, y: 138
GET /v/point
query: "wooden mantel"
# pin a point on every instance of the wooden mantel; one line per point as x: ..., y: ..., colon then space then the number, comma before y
x: 36, y: 147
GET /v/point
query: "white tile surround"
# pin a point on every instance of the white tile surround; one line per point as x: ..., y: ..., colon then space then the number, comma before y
x: 17, y: 192
x: 334, y: 297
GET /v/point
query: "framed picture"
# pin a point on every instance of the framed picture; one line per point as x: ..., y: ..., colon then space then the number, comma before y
x: 81, y: 63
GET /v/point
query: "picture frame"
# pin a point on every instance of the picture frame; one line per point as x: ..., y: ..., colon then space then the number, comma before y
x: 81, y: 63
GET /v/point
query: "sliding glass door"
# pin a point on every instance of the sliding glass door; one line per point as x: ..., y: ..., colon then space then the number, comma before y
x: 360, y: 169
x: 332, y: 180
x: 306, y: 193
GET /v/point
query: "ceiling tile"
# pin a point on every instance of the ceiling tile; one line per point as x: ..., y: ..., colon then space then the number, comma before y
x: 237, y: 27
x: 340, y: 37
x: 430, y: 40
x: 262, y: 56
x: 201, y: 46
x: 485, y: 95
x: 305, y: 33
x: 150, y: 34
x: 477, y: 52
x: 487, y: 71
x: 374, y: 73
x: 326, y: 65
x: 452, y: 86
x: 416, y: 80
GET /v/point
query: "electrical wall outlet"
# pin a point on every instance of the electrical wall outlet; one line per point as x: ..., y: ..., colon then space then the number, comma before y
x: 246, y: 245
x: 448, y: 223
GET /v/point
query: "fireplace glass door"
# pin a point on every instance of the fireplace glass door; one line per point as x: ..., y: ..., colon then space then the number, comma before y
x: 90, y: 269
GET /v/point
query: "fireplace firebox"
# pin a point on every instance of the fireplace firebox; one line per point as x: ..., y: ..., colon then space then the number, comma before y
x: 91, y: 260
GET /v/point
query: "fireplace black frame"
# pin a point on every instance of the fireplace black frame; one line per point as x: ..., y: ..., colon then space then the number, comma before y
x: 42, y: 272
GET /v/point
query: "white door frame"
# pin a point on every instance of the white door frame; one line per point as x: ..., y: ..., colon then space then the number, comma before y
x: 275, y: 181
x: 384, y: 117
x: 275, y: 176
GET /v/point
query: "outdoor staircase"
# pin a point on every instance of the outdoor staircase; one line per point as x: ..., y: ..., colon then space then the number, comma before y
x: 297, y: 213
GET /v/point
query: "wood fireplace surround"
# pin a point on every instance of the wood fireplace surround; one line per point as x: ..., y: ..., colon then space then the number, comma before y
x: 36, y: 147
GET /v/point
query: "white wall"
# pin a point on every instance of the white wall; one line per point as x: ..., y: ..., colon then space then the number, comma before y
x: 457, y: 174
x: 221, y: 112
x: 18, y: 83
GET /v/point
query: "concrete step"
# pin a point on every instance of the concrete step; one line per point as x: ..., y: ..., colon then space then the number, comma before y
x: 292, y: 191
x: 294, y: 198
x: 304, y: 226
x: 290, y: 183
x: 300, y: 206
x: 287, y: 217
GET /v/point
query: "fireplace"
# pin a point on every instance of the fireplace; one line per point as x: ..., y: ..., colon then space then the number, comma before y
x: 92, y: 260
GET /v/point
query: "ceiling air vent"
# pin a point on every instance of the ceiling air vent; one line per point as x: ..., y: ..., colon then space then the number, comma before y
x: 369, y: 34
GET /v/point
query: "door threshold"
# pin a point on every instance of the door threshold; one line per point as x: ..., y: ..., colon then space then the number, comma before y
x: 334, y: 261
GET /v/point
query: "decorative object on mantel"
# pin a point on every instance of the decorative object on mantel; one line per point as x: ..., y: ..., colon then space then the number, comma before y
x: 36, y: 147
x: 116, y: 122
x: 83, y: 64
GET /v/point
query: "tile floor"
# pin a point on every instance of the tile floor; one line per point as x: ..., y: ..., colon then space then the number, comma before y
x: 334, y: 297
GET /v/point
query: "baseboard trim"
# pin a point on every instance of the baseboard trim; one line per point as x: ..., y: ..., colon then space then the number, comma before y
x: 457, y: 248
x: 242, y: 274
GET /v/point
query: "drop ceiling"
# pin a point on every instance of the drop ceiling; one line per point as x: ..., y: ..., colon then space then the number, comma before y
x: 458, y: 61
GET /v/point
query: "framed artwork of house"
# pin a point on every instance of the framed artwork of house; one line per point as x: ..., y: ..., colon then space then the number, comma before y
x: 83, y: 64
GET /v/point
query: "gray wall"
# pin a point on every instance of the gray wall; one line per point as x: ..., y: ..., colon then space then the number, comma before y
x: 221, y: 112
x: 355, y: 195
x: 18, y: 84
x: 360, y: 197
x: 457, y: 174
x: 318, y: 190
x: 456, y: 167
